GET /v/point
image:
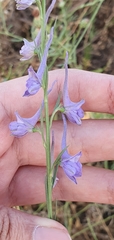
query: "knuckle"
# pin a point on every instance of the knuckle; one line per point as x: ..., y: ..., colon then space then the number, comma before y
x: 110, y: 100
x: 5, y: 224
x: 110, y: 191
x: 17, y: 148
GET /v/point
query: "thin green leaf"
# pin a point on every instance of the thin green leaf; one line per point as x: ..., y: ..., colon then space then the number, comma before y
x: 57, y: 161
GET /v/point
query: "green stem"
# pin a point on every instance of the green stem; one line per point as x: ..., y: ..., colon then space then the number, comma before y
x: 47, y: 142
x: 42, y: 130
x: 48, y: 157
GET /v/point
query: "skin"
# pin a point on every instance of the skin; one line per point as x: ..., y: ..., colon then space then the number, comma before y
x: 22, y: 160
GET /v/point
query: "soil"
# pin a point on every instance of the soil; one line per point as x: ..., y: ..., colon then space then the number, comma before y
x: 102, y: 45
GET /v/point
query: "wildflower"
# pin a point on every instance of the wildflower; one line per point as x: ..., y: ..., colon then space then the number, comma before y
x: 34, y: 83
x: 24, y: 125
x: 72, y: 110
x: 30, y: 48
x: 70, y: 164
x: 23, y: 4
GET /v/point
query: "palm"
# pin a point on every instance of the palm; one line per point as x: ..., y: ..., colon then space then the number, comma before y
x: 22, y: 161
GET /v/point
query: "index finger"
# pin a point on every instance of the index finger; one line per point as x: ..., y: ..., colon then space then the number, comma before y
x: 97, y: 90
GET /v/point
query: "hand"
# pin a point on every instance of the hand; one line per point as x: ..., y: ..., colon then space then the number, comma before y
x: 22, y: 161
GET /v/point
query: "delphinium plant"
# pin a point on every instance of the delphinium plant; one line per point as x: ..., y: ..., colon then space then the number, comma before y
x: 70, y: 111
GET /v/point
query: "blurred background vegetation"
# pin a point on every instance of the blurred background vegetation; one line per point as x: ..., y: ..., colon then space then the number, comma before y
x: 86, y: 30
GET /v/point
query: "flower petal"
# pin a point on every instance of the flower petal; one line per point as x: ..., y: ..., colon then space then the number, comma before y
x: 73, y: 111
x: 23, y: 4
x: 42, y: 66
x: 29, y: 48
x: 34, y: 82
x: 70, y: 164
x: 24, y: 125
x: 49, y: 10
x: 18, y: 129
x: 78, y: 172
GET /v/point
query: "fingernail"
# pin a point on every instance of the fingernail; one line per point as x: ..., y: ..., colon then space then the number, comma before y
x: 45, y: 233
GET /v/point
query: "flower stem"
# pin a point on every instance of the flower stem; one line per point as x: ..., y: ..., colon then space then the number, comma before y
x: 48, y: 158
x: 47, y: 142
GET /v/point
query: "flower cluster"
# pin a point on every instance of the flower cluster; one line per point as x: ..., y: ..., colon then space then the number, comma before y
x: 70, y: 164
x: 70, y: 110
x: 30, y: 48
x: 34, y: 82
x: 73, y: 112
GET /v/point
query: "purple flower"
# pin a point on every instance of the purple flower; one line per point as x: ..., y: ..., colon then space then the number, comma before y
x: 24, y: 125
x: 23, y: 4
x: 70, y: 164
x: 34, y: 83
x: 72, y: 110
x: 29, y: 48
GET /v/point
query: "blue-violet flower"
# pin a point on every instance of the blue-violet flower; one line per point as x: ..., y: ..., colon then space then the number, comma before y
x: 30, y: 48
x: 70, y: 164
x: 23, y: 4
x: 72, y: 110
x: 34, y: 83
x: 24, y: 125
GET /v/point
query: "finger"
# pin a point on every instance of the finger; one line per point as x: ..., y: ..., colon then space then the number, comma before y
x: 27, y: 186
x: 97, y: 90
x: 19, y: 225
x: 5, y: 136
x: 95, y: 139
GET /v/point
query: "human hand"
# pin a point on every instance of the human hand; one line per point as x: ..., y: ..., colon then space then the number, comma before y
x: 22, y: 162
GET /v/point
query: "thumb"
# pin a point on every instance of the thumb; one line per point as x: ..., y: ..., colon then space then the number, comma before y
x: 18, y: 225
